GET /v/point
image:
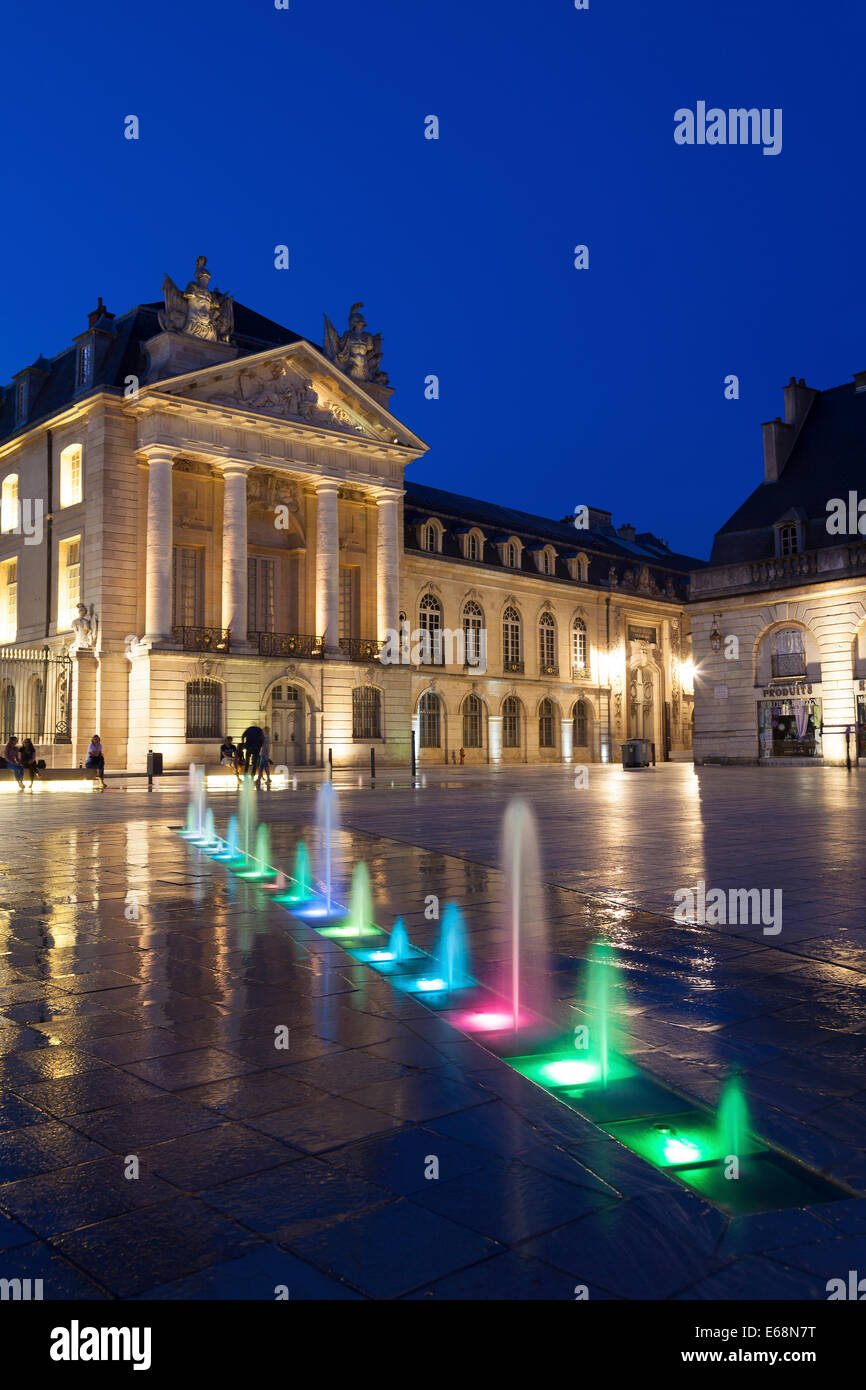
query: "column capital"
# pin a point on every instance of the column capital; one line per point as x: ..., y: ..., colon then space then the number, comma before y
x: 327, y: 485
x: 233, y: 467
x: 159, y: 453
x: 384, y: 496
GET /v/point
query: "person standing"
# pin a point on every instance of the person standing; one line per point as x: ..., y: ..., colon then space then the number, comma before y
x: 28, y: 760
x: 12, y: 756
x: 96, y: 758
x: 252, y: 740
x: 265, y: 759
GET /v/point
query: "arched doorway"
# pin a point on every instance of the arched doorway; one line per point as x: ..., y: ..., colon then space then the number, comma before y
x: 286, y: 722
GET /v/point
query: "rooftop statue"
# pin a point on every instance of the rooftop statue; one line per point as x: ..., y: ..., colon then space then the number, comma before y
x: 356, y: 351
x: 198, y: 311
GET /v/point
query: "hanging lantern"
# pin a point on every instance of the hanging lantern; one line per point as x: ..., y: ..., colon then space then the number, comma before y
x: 715, y: 635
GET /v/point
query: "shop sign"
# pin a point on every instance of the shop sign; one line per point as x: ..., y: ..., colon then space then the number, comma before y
x: 643, y: 634
x: 787, y: 692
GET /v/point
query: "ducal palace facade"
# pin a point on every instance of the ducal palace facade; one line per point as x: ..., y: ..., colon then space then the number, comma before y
x: 207, y: 523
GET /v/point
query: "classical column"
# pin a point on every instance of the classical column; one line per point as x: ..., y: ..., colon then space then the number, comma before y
x: 234, y: 585
x: 159, y: 545
x: 387, y: 564
x: 327, y: 567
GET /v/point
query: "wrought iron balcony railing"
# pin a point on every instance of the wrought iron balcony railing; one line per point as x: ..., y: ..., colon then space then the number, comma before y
x: 513, y: 666
x: 288, y: 644
x: 548, y: 670
x: 580, y: 673
x: 202, y: 639
x: 360, y: 648
x: 789, y: 664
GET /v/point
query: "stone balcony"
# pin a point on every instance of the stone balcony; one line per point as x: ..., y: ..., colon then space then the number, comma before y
x: 846, y: 561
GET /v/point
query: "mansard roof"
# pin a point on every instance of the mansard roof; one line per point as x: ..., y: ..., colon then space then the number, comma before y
x: 123, y: 356
x: 603, y: 546
x: 826, y: 461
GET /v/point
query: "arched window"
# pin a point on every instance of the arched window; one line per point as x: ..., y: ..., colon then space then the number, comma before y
x: 546, y: 733
x: 430, y: 721
x: 547, y: 645
x: 512, y: 555
x: 582, y: 568
x: 431, y: 630
x: 580, y: 719
x: 511, y: 654
x: 70, y: 476
x: 35, y: 717
x: 366, y: 712
x: 7, y: 710
x: 472, y: 717
x: 511, y: 722
x: 204, y: 709
x: 473, y: 547
x: 431, y: 537
x: 9, y: 503
x: 473, y: 623
x: 545, y: 562
x: 789, y: 654
x: 578, y: 647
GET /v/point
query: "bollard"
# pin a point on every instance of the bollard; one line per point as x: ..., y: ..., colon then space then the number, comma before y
x: 413, y: 754
x: 331, y: 763
x: 372, y: 764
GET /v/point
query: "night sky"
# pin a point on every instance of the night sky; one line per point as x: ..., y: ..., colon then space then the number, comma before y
x: 305, y: 127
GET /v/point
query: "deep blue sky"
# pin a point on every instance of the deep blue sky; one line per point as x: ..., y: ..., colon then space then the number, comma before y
x: 305, y: 127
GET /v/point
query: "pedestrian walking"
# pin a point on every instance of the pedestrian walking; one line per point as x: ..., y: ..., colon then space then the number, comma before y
x: 265, y: 759
x: 251, y: 741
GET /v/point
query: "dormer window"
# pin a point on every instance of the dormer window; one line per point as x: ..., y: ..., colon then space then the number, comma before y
x: 546, y: 560
x: 473, y: 545
x: 21, y: 401
x: 85, y: 365
x: 510, y: 550
x: 431, y: 537
x: 789, y: 540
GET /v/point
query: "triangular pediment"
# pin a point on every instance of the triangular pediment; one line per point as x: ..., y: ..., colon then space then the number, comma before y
x: 296, y: 384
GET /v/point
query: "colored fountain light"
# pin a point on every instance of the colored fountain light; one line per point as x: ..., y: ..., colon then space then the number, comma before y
x: 564, y: 1068
x: 492, y: 1020
x: 524, y: 907
x: 431, y: 985
x: 260, y: 869
x: 401, y: 948
x: 301, y: 889
x: 328, y: 821
x: 360, y: 917
x: 452, y: 953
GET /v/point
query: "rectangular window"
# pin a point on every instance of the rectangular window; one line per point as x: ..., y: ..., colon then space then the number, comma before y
x: 789, y: 541
x: 20, y: 402
x: 9, y: 601
x: 69, y: 583
x: 188, y: 586
x: 349, y: 583
x: 261, y: 594
x: 70, y: 476
x: 85, y: 364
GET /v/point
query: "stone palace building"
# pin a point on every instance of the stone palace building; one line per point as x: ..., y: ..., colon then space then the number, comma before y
x: 779, y: 616
x: 205, y: 524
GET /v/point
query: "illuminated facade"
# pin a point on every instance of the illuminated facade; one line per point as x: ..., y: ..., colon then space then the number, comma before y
x: 779, y: 616
x: 205, y: 525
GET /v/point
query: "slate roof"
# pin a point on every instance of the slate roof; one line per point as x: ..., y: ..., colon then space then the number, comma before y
x: 602, y: 546
x: 121, y: 356
x: 827, y: 460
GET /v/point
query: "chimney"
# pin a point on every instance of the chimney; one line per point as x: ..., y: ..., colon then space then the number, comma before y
x: 626, y: 532
x: 798, y: 398
x: 778, y: 439
x: 100, y: 312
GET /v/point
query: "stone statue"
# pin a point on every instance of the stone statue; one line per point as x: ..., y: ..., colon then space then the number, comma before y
x: 356, y: 351
x: 84, y: 628
x: 197, y: 311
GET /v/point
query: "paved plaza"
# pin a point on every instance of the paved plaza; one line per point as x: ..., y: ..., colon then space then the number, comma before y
x: 141, y: 984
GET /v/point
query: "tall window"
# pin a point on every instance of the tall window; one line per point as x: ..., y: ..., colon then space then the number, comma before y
x: 431, y: 538
x: 7, y: 710
x: 85, y: 364
x: 188, y: 586
x: 9, y: 503
x: 69, y: 582
x: 366, y: 712
x: 9, y: 601
x: 349, y: 590
x: 546, y: 737
x: 544, y: 562
x: 472, y: 717
x: 21, y: 402
x: 70, y: 476
x: 789, y: 658
x: 431, y: 630
x: 511, y: 722
x: 578, y: 645
x: 512, y: 555
x: 261, y: 587
x: 511, y: 638
x: 547, y: 644
x: 580, y: 720
x: 472, y: 546
x: 473, y: 621
x: 430, y: 720
x: 204, y: 709
x: 789, y: 540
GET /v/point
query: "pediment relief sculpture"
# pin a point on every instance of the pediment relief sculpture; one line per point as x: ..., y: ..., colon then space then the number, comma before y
x: 273, y: 390
x: 270, y: 490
